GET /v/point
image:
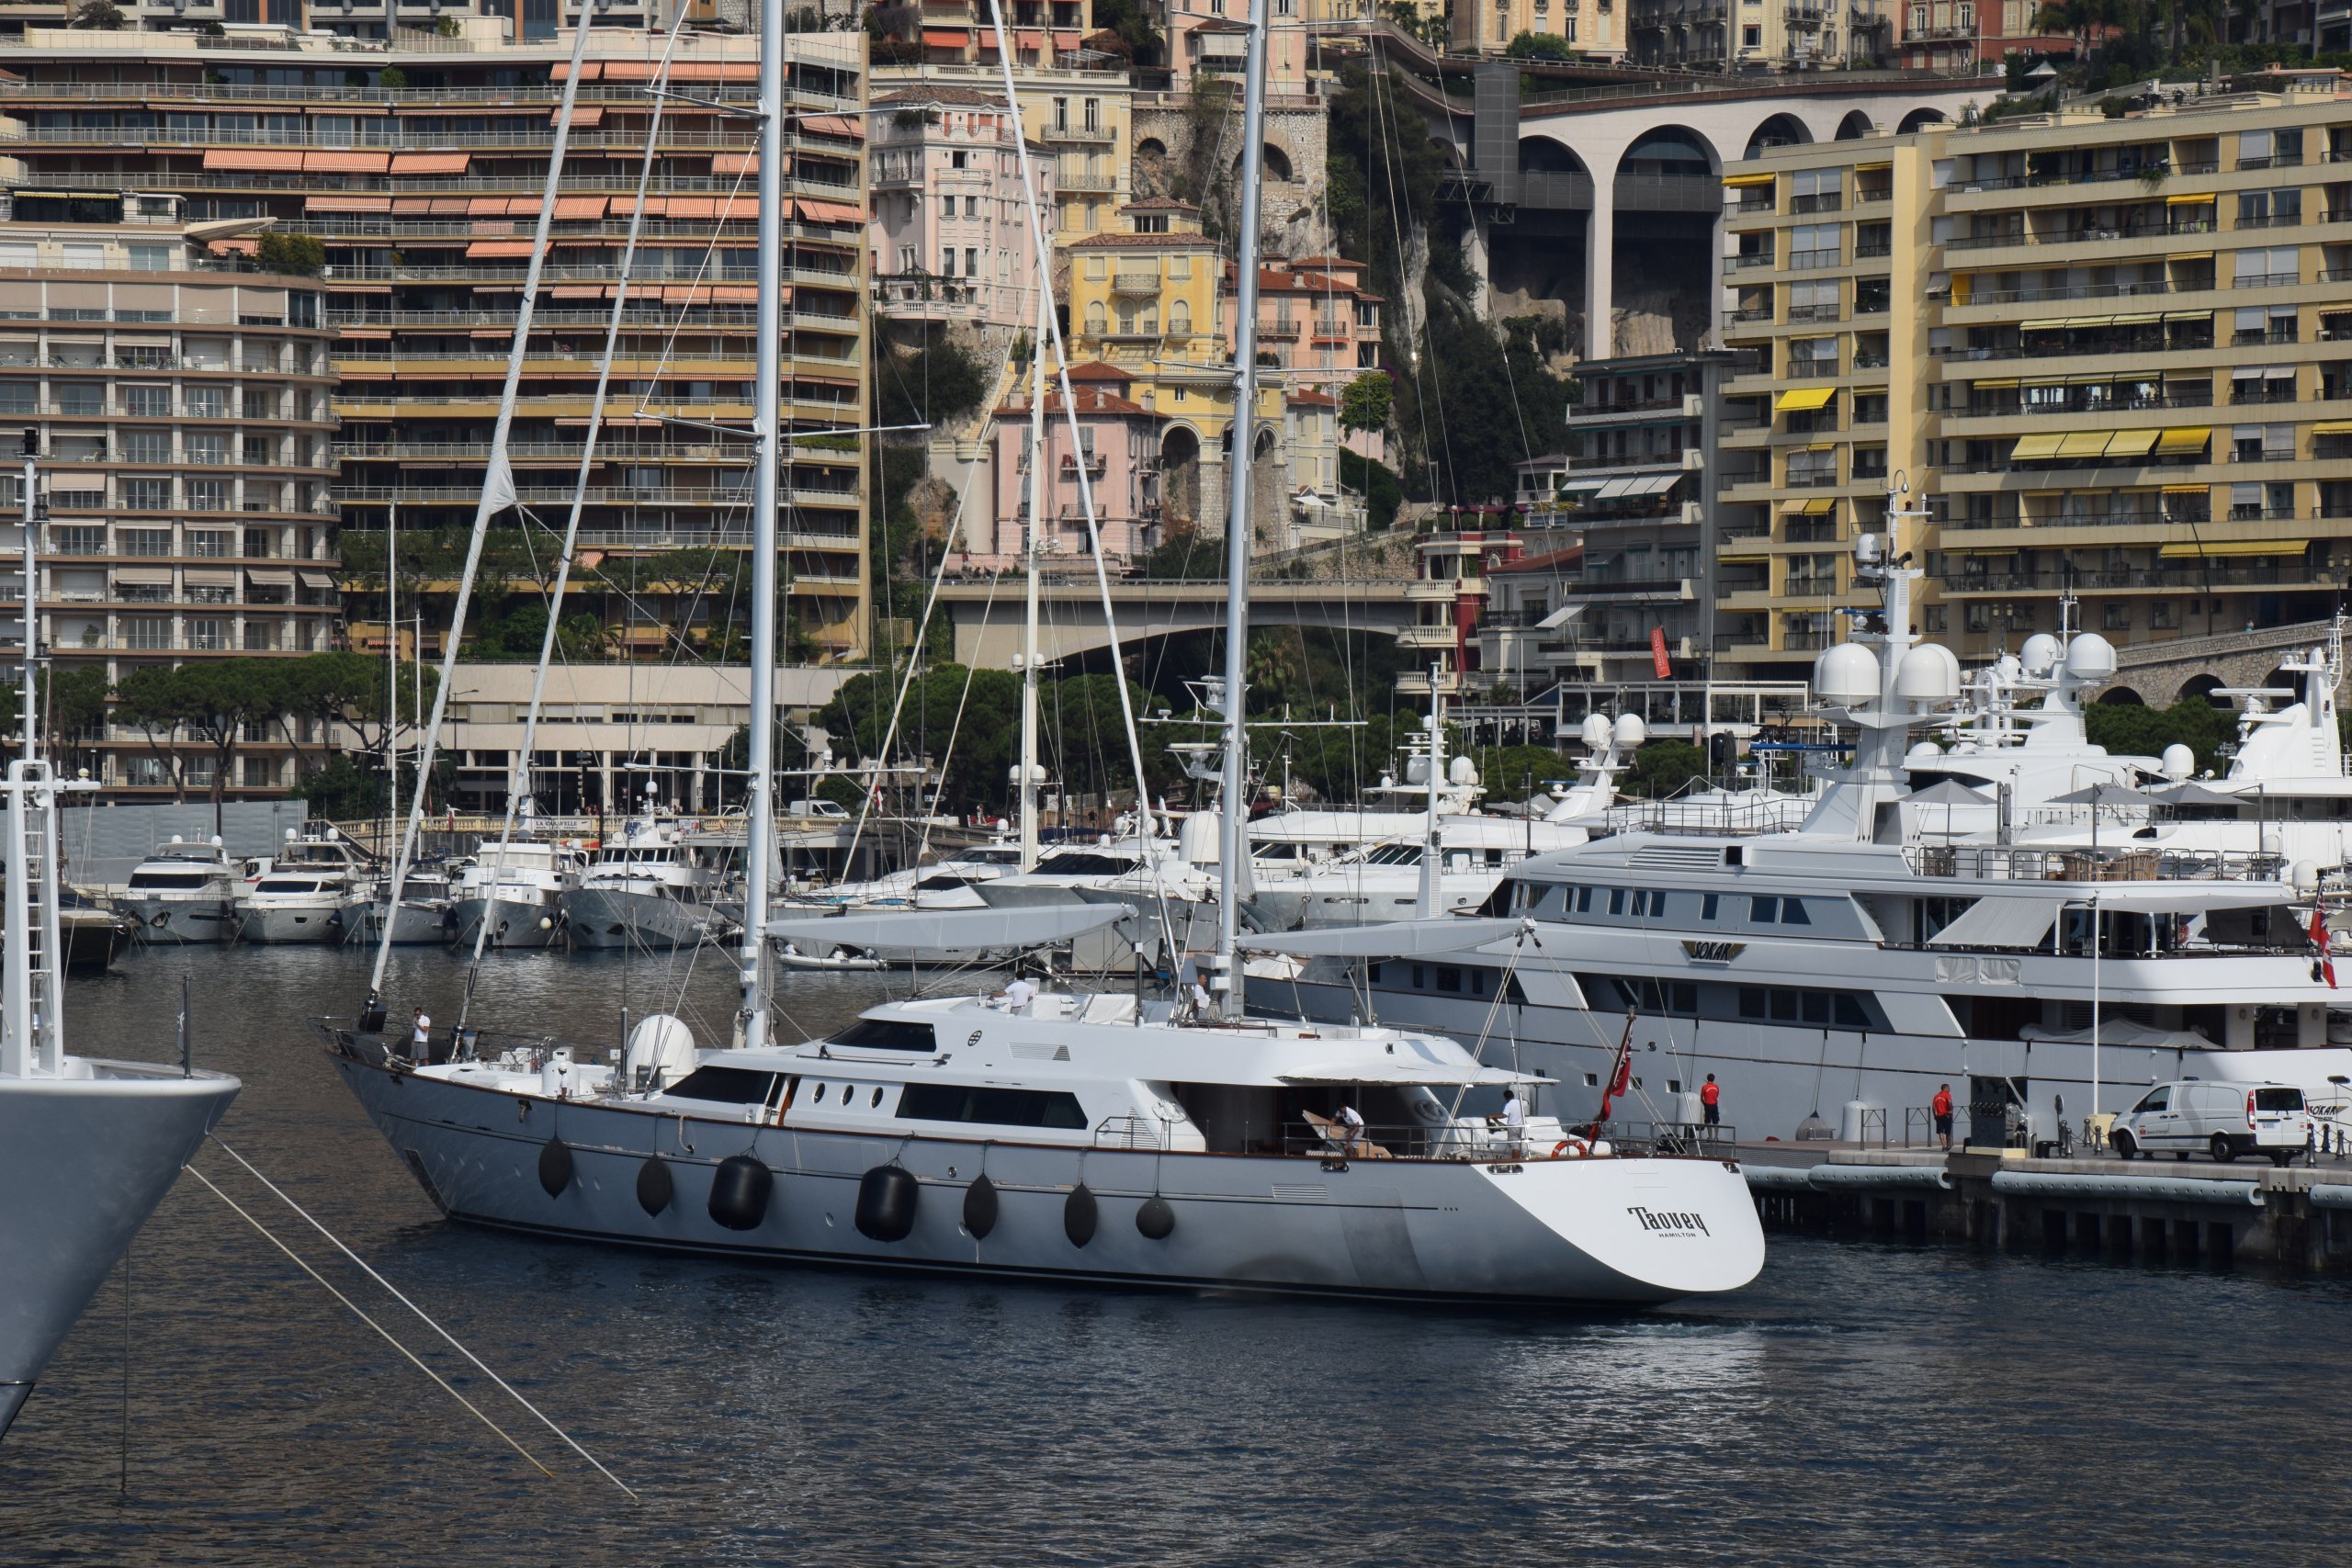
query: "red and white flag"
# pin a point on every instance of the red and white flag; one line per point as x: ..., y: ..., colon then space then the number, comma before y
x: 2319, y: 940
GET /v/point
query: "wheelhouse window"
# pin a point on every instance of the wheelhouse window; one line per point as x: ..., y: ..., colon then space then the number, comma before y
x: 888, y: 1034
x: 725, y: 1086
x: 995, y: 1107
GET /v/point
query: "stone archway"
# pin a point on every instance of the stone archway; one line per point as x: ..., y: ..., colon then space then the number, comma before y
x: 1920, y: 117
x: 1180, y: 478
x: 1150, y: 168
x: 2199, y: 685
x: 2122, y: 697
x: 1855, y: 126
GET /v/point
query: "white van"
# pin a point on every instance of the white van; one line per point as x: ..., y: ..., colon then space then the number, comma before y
x: 2226, y: 1120
x: 816, y: 810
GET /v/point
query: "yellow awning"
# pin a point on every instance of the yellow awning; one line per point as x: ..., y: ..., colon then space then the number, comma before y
x: 2223, y: 549
x: 2174, y: 442
x: 2189, y: 315
x: 2134, y: 321
x: 2033, y: 446
x: 2187, y: 255
x: 2132, y: 444
x: 1804, y: 400
x: 2185, y: 489
x: 2049, y: 326
x: 1749, y: 182
x: 1818, y: 506
x: 2084, y: 443
x: 1994, y: 386
x: 2333, y: 427
x: 2189, y: 200
x: 1742, y: 555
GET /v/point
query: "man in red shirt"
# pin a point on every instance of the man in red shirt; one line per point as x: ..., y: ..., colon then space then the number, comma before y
x: 1941, y: 1106
x: 1711, y: 1095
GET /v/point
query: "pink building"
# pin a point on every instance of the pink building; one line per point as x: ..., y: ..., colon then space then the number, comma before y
x: 1211, y: 37
x: 949, y: 237
x: 1321, y: 325
x: 1118, y: 439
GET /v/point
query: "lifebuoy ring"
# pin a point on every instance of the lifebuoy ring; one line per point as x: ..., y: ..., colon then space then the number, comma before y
x: 1570, y: 1148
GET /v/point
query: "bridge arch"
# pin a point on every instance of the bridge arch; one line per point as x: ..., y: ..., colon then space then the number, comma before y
x: 1924, y: 115
x: 2199, y: 685
x: 1548, y: 155
x: 1855, y: 126
x: 1671, y: 151
x: 2122, y: 697
x: 1779, y: 130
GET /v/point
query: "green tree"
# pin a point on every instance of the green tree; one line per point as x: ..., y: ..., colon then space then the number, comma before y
x: 298, y: 255
x: 1662, y: 767
x: 966, y: 721
x: 152, y: 697
x: 1367, y: 401
x: 2131, y: 730
x: 1514, y: 773
x: 77, y: 713
x: 935, y: 382
x: 1538, y: 46
x: 1377, y: 483
x: 100, y: 16
x: 1128, y: 19
x: 220, y: 700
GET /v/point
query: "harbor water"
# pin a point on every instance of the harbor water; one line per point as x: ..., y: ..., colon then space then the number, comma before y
x: 1860, y: 1403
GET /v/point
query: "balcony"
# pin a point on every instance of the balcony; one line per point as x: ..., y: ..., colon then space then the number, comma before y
x: 1820, y: 201
x: 1133, y: 281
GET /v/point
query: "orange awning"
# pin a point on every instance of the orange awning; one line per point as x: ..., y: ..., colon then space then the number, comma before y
x: 735, y: 163
x: 347, y: 162
x: 828, y: 211
x: 833, y: 125
x: 589, y: 70
x: 1066, y: 43
x: 628, y: 71
x: 1029, y: 38
x: 446, y: 205
x: 715, y: 71
x: 944, y: 38
x: 246, y: 158
x: 347, y: 204
x: 430, y: 163
x: 497, y: 249
x: 584, y: 116
x: 575, y: 208
x: 491, y: 205
x: 236, y: 248
x: 583, y: 291
x: 419, y: 203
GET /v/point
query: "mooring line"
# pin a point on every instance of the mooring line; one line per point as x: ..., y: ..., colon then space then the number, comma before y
x: 370, y: 1322
x: 394, y: 1292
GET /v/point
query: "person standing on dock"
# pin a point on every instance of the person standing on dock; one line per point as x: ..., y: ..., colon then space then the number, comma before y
x: 1941, y: 1106
x: 1711, y: 1095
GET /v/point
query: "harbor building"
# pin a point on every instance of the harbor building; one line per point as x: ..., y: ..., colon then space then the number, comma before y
x: 419, y: 166
x: 2106, y: 352
x: 1078, y: 106
x: 180, y: 405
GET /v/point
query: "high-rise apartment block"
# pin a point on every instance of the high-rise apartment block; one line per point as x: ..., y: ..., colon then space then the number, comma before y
x: 2108, y: 353
x: 179, y: 405
x: 421, y: 167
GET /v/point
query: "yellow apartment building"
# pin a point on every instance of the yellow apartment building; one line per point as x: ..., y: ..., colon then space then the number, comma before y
x: 2108, y: 352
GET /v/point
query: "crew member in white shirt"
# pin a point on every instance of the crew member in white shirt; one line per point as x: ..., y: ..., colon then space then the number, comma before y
x: 1515, y: 1120
x: 1018, y: 995
x: 420, y: 1047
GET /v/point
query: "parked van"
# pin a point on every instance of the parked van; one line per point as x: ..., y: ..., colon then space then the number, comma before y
x: 816, y: 810
x: 2226, y: 1119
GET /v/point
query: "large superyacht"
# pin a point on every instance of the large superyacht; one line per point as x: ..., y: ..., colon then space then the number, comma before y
x: 1839, y: 973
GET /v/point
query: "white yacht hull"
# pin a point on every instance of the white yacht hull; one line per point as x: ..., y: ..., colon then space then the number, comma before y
x: 1534, y: 1231
x: 167, y: 918
x: 320, y: 922
x: 83, y: 1161
x: 513, y: 923
x: 612, y: 918
x: 1774, y: 1076
x: 416, y: 924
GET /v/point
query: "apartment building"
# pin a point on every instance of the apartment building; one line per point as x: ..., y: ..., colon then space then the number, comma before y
x: 2106, y: 353
x: 420, y: 166
x: 179, y: 404
x: 950, y: 235
x: 1956, y: 36
x: 1596, y: 28
x: 1750, y: 35
x: 1118, y: 444
x: 1081, y: 112
x: 1621, y: 558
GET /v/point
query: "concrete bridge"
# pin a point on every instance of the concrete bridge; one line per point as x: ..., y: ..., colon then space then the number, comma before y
x: 987, y: 615
x: 2161, y: 674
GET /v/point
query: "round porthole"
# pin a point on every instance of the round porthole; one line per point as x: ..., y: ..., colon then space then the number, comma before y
x: 876, y: 1101
x: 821, y: 1094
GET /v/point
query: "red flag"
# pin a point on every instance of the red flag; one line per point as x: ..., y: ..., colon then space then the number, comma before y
x: 2319, y: 940
x: 1657, y: 654
x: 1621, y: 1078
x: 1624, y: 1072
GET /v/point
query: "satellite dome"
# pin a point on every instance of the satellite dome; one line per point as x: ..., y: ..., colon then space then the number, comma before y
x: 2039, y: 654
x: 1846, y: 676
x: 1630, y: 731
x: 1461, y: 771
x: 2178, y: 762
x: 2090, y: 657
x: 1595, y: 731
x: 2007, y: 667
x: 1924, y: 752
x: 1928, y: 673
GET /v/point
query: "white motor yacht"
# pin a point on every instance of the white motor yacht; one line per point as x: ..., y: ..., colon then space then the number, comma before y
x: 184, y: 893
x: 645, y: 891
x: 425, y: 917
x: 520, y: 883
x: 1833, y: 977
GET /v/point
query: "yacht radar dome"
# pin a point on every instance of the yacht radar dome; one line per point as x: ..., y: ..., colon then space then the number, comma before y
x: 1926, y: 752
x: 1595, y: 731
x: 1846, y: 676
x: 1630, y: 730
x: 1928, y: 673
x: 2090, y: 657
x: 2040, y: 654
x: 2178, y: 762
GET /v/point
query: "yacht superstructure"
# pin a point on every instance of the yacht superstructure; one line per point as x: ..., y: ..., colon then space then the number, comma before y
x: 646, y: 890
x: 184, y: 893
x: 519, y: 886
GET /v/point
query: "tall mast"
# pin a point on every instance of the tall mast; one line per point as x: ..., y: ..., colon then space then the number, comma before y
x: 1031, y: 542
x: 393, y: 667
x: 32, y: 595
x: 766, y: 454
x: 1233, y: 850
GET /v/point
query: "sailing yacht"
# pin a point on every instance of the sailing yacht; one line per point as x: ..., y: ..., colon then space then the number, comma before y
x: 184, y: 893
x: 1836, y: 974
x: 1062, y: 1135
x: 88, y: 1145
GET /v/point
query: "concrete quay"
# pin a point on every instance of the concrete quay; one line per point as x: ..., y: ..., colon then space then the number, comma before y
x: 2162, y: 1210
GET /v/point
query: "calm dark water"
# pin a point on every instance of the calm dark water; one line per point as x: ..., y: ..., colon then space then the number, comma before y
x: 1859, y: 1403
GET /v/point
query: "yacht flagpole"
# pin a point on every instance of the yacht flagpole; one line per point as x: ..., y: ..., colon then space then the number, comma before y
x: 766, y: 444
x: 1233, y: 858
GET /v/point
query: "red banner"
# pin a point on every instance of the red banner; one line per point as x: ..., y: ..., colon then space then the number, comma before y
x: 1658, y: 653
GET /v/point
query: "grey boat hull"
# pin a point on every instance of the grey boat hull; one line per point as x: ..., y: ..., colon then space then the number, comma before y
x: 166, y: 920
x: 1430, y: 1230
x: 601, y: 918
x: 84, y: 1162
x: 513, y: 924
x: 415, y: 924
x: 316, y: 923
